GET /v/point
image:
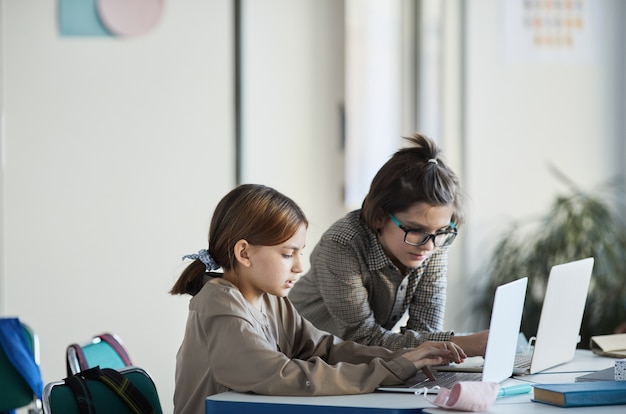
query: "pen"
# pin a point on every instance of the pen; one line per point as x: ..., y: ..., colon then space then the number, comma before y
x: 515, y: 390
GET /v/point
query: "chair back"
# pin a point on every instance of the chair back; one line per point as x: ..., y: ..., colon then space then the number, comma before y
x: 58, y: 398
x: 15, y: 392
x: 105, y: 350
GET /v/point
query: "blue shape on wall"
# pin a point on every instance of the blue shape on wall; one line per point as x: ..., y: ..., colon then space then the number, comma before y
x: 80, y: 18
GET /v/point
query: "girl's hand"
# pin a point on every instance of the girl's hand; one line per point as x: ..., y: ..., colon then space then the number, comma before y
x: 474, y: 344
x: 435, y: 353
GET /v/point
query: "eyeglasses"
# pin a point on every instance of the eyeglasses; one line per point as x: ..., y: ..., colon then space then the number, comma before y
x: 419, y: 238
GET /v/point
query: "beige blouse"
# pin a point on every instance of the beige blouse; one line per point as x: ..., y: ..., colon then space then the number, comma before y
x: 229, y: 345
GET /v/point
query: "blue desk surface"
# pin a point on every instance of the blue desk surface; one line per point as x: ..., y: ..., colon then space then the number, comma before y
x: 375, y: 403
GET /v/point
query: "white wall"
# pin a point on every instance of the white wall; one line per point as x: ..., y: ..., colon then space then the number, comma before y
x: 293, y: 92
x: 115, y: 152
x: 521, y: 117
x: 374, y: 90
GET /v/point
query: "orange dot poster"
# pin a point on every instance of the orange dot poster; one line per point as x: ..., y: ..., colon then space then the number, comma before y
x: 550, y: 31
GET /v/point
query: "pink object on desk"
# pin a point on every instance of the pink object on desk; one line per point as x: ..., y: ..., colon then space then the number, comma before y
x: 468, y: 396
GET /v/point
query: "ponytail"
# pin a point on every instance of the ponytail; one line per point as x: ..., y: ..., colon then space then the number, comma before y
x: 191, y: 279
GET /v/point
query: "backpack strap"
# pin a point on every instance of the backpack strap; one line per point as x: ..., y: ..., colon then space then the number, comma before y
x: 77, y: 385
x: 119, y: 348
x: 125, y: 389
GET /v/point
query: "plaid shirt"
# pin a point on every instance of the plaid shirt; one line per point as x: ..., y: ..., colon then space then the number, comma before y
x: 354, y: 291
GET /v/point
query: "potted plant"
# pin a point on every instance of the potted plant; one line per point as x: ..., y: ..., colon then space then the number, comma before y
x: 579, y: 224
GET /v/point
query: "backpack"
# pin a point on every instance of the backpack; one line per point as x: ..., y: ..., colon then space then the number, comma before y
x: 103, y: 390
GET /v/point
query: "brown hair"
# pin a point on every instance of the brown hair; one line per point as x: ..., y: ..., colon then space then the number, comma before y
x: 411, y: 176
x: 259, y: 214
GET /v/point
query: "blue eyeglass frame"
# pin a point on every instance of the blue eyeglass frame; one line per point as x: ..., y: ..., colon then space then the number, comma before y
x: 429, y: 236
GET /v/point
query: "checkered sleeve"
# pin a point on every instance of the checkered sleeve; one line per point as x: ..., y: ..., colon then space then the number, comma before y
x: 345, y: 296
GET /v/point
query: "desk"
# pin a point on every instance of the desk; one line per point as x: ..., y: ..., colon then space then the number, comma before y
x: 374, y: 403
x: 403, y: 403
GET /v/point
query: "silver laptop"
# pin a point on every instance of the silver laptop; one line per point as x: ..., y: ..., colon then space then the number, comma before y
x: 558, y: 332
x: 559, y: 323
x: 506, y: 319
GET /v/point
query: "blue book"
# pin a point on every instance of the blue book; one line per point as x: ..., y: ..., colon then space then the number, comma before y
x: 581, y: 394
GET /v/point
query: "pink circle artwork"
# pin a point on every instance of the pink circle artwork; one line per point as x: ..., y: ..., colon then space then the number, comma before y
x: 130, y: 17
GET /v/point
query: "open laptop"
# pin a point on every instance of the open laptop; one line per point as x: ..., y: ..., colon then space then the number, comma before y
x: 558, y: 332
x: 506, y: 319
x: 559, y: 323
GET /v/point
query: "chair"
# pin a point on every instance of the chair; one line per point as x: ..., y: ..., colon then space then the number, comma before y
x: 58, y: 398
x: 105, y: 350
x: 15, y: 391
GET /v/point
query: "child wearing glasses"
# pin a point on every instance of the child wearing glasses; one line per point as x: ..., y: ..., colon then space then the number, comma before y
x: 390, y: 257
x: 242, y: 332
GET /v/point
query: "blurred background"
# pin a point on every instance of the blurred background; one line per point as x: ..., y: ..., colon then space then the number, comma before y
x: 115, y: 148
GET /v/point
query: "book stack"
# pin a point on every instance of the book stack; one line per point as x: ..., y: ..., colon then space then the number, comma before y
x: 613, y: 345
x: 581, y: 394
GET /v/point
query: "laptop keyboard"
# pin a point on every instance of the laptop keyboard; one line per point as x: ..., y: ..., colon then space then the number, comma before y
x: 522, y: 360
x: 447, y: 379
